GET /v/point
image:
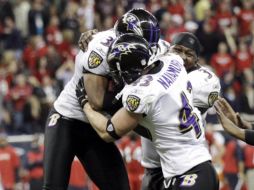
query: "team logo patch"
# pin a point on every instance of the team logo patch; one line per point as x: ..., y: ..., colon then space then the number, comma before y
x: 212, y: 98
x: 133, y: 102
x: 188, y: 180
x: 94, y: 60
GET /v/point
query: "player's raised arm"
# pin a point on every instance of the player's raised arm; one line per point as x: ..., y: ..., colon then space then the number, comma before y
x: 226, y: 113
x: 232, y: 115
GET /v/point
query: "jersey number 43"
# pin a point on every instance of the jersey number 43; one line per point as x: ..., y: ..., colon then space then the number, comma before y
x: 188, y: 119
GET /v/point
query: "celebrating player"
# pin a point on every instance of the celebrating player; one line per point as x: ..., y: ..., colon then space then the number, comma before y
x: 153, y: 92
x: 205, y: 90
x: 68, y: 132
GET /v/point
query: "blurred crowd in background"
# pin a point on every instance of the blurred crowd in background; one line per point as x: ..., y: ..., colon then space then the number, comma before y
x: 38, y: 44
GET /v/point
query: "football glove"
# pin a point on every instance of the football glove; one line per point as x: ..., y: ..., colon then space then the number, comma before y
x: 81, y: 93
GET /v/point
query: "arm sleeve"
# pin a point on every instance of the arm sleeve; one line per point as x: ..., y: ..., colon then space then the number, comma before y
x: 249, y: 136
x: 252, y: 126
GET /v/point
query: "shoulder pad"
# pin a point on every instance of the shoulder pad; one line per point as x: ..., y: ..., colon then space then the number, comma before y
x: 205, y: 87
x: 137, y: 99
x: 97, y: 52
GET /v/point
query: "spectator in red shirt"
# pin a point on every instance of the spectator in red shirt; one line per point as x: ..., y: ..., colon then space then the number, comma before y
x: 222, y: 61
x: 224, y: 16
x: 243, y: 58
x: 245, y: 16
x: 233, y: 162
x: 165, y: 22
x: 66, y: 48
x: 9, y: 164
x: 176, y: 8
x: 78, y: 177
x: 53, y: 59
x: 154, y: 5
x: 41, y: 68
x: 132, y: 156
x: 35, y: 49
x: 176, y: 26
x: 35, y: 164
x: 18, y: 96
x: 53, y: 34
x: 122, y: 143
x: 249, y: 165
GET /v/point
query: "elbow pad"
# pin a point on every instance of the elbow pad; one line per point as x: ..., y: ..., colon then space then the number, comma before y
x: 111, y: 130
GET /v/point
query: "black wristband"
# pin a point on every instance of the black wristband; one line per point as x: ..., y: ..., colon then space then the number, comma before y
x: 111, y: 130
x: 249, y: 136
x: 83, y: 103
x: 252, y: 126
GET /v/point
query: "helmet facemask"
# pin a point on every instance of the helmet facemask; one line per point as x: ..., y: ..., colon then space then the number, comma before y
x: 128, y: 57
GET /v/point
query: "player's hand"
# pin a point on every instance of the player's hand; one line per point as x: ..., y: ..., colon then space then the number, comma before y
x: 227, y: 110
x: 220, y: 110
x: 85, y: 38
x: 81, y: 93
x: 226, y: 123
